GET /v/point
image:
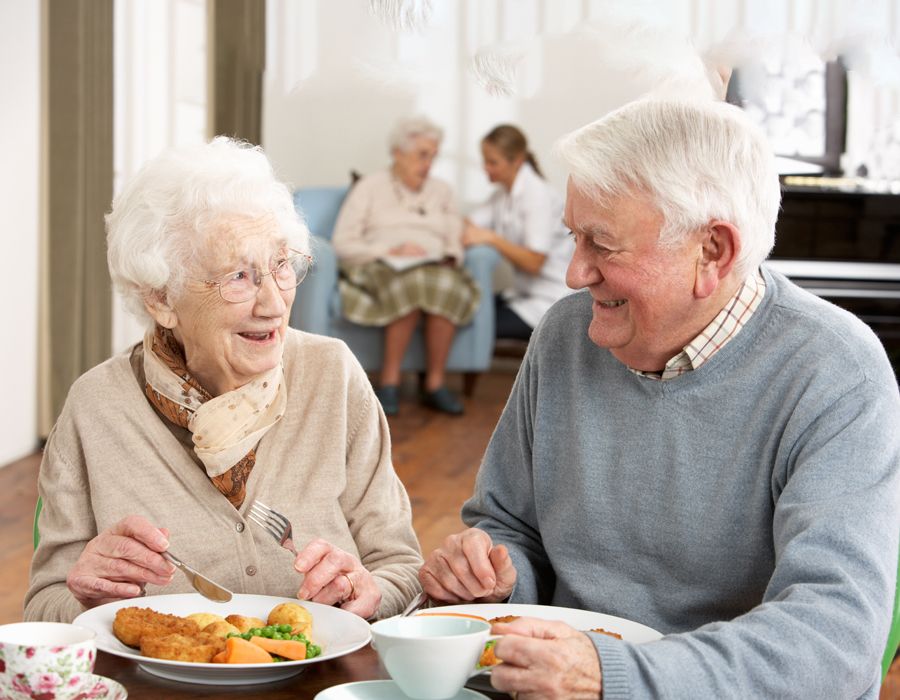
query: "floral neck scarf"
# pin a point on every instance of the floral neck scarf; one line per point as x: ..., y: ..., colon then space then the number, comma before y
x: 225, y: 429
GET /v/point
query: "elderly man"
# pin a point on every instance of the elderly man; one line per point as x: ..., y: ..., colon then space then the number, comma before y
x: 717, y: 457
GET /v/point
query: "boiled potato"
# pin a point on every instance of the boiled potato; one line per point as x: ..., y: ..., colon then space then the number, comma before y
x: 221, y: 628
x: 244, y: 623
x: 294, y: 615
x: 203, y: 619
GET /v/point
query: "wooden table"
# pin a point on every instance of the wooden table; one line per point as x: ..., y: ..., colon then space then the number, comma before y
x: 361, y: 665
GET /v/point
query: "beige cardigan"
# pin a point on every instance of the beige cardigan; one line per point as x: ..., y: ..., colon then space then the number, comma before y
x: 380, y: 214
x: 326, y: 465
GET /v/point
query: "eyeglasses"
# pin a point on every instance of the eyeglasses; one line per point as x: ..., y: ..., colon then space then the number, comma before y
x: 243, y: 285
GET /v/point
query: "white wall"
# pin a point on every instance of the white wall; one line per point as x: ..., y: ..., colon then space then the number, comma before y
x: 20, y: 124
x: 338, y: 76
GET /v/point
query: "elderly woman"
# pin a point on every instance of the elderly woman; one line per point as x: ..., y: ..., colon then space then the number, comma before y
x: 523, y: 221
x: 219, y: 405
x: 398, y: 237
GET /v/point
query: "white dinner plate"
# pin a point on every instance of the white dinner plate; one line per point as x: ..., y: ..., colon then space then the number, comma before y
x: 380, y: 690
x: 337, y: 631
x: 579, y: 619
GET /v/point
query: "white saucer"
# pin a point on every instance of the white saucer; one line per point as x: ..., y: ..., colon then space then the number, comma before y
x: 381, y: 690
x: 104, y: 688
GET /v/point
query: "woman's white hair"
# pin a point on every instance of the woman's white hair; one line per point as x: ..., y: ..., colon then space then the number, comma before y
x: 698, y: 161
x: 407, y: 130
x: 157, y: 224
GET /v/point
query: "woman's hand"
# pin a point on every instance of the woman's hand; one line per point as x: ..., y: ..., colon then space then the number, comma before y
x: 475, y: 235
x: 334, y: 576
x: 119, y: 562
x: 408, y: 250
x: 467, y: 567
x: 544, y: 659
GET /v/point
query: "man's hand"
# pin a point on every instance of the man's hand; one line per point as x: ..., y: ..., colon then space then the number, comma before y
x: 467, y: 567
x: 119, y: 562
x: 543, y: 659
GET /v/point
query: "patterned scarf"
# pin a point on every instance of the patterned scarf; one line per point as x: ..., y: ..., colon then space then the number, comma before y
x: 225, y: 429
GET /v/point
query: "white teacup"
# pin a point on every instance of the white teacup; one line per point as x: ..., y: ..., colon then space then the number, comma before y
x: 430, y: 657
x: 51, y: 658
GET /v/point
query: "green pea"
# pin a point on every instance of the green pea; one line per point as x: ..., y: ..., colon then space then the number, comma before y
x: 284, y: 628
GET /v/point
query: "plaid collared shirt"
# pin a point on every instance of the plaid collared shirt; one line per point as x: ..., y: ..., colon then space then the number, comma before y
x: 727, y: 324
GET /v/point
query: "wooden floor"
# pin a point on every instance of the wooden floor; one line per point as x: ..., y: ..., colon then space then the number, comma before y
x: 436, y: 456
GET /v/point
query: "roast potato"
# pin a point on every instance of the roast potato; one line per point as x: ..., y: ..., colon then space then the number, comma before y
x: 204, y: 618
x: 244, y: 623
x: 293, y: 614
x: 221, y: 628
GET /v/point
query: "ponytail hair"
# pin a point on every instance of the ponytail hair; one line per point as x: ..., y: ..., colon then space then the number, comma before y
x: 512, y: 143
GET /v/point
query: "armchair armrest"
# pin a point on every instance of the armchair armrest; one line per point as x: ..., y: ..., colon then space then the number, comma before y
x: 313, y: 303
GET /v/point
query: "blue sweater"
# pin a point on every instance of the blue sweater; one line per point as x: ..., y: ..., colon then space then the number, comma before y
x: 748, y: 510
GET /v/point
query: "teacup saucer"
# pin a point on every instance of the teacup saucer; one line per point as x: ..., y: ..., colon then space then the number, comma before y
x: 97, y: 688
x: 381, y: 690
x: 103, y: 688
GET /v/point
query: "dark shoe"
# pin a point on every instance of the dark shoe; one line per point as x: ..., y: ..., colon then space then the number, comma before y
x: 389, y: 396
x: 442, y: 400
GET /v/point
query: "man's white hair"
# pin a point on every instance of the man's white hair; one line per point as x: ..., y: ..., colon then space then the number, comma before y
x: 407, y: 130
x: 698, y: 161
x: 157, y: 225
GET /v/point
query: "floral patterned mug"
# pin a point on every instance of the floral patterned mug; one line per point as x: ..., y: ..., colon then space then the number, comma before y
x: 47, y: 660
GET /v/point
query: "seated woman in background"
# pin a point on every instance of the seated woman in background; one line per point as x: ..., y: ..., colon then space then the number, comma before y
x: 398, y: 237
x: 523, y: 221
x: 219, y: 405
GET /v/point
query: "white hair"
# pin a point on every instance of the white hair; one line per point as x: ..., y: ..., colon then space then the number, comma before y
x: 407, y: 130
x: 156, y: 226
x: 698, y: 161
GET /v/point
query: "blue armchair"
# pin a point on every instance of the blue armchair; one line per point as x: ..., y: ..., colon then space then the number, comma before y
x: 317, y: 307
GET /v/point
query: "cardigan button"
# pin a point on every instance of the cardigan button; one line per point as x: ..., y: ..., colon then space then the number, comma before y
x: 251, y: 571
x: 239, y: 527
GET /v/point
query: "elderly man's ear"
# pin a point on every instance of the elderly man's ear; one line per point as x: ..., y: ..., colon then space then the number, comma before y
x: 157, y: 305
x: 719, y: 248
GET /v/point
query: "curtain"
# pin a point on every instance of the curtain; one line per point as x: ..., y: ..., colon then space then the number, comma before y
x: 237, y: 41
x: 76, y: 304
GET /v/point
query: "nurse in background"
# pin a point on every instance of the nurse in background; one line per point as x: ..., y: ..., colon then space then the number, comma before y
x: 523, y: 221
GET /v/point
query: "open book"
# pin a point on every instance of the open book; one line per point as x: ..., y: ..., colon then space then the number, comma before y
x: 399, y: 263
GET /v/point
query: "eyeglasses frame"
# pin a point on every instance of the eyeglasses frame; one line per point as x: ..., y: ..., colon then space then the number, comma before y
x: 260, y: 277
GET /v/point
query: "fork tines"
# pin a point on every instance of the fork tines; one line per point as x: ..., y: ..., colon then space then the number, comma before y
x: 272, y: 521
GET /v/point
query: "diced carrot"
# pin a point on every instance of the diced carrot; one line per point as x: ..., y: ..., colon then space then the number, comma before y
x: 240, y: 651
x: 219, y: 658
x: 286, y: 648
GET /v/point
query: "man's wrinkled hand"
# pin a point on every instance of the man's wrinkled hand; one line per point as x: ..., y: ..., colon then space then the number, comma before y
x: 468, y: 567
x: 544, y: 660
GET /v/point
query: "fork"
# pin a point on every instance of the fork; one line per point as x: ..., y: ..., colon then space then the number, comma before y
x: 274, y: 523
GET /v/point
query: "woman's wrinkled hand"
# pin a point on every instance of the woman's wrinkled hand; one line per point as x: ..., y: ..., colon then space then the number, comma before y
x: 467, y: 567
x: 475, y: 235
x: 408, y: 250
x: 545, y: 659
x: 332, y: 575
x: 119, y: 562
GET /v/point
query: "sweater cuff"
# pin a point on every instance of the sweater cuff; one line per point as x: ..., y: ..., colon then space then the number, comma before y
x: 613, y: 666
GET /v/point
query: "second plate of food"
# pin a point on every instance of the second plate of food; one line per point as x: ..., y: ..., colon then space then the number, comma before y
x: 336, y: 631
x: 585, y: 620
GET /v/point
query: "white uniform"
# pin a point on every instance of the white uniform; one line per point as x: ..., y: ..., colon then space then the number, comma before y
x: 530, y: 215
